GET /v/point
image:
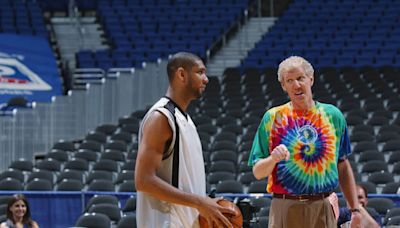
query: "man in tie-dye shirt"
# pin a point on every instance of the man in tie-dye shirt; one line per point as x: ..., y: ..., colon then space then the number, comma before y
x: 302, y: 147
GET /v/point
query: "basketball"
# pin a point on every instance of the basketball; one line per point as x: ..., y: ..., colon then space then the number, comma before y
x: 236, y: 221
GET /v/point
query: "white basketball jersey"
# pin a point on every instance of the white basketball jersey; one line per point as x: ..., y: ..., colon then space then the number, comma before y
x: 151, y: 212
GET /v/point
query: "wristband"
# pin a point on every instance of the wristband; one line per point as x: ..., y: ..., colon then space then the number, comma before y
x: 353, y: 210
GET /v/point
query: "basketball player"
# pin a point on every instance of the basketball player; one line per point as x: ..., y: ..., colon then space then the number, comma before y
x: 169, y: 175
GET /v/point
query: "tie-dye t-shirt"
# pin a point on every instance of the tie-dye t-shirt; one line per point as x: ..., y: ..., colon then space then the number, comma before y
x: 316, y: 139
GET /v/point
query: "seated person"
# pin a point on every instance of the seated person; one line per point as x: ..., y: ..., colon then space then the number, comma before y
x: 371, y: 218
x: 18, y: 214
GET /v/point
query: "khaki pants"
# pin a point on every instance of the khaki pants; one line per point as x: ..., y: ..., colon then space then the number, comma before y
x: 285, y: 213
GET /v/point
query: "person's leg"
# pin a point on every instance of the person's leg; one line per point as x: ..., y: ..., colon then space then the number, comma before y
x: 286, y: 213
x: 277, y: 213
x: 320, y: 214
x: 331, y: 220
x: 296, y: 215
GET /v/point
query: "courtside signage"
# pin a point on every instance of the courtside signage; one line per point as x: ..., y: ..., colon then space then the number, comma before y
x: 27, y: 68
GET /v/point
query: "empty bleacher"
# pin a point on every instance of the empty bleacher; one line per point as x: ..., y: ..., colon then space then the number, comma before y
x: 353, y: 45
x: 332, y: 34
x: 22, y: 17
x: 144, y: 31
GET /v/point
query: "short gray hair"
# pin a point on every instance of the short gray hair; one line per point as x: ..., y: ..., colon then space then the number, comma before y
x: 293, y: 62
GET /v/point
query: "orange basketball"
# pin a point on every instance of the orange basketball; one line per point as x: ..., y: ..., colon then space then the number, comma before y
x: 236, y: 221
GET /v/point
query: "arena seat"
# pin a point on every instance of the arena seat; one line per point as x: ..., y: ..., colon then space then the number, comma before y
x: 93, y: 220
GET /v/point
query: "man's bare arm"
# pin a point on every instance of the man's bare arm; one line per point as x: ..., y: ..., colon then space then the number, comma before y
x: 156, y: 135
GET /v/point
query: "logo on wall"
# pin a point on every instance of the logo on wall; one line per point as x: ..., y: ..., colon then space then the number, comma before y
x: 16, y: 75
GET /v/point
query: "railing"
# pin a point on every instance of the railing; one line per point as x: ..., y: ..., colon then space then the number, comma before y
x: 25, y: 132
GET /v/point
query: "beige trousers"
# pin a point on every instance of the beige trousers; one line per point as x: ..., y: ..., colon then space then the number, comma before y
x: 285, y: 213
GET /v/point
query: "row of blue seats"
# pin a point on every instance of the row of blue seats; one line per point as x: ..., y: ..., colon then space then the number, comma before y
x: 19, y: 24
x: 342, y: 9
x: 153, y: 40
x: 118, y: 54
x: 159, y: 30
x: 150, y: 37
x: 126, y: 54
x: 391, y: 15
x: 322, y: 33
x: 344, y: 15
x: 18, y: 4
x: 163, y: 47
x: 62, y: 5
x: 171, y: 40
x: 354, y: 23
x: 135, y: 52
x: 162, y: 33
x: 173, y: 24
x: 342, y: 42
x: 387, y: 47
x: 336, y: 33
x: 102, y: 56
x: 156, y: 18
x: 343, y: 28
x: 179, y: 12
x: 167, y: 18
x: 129, y: 61
x: 369, y: 4
x: 21, y: 15
x: 325, y: 52
x: 25, y: 31
x: 201, y: 47
x: 341, y: 1
x: 183, y: 3
x: 105, y: 65
x: 22, y: 26
x: 327, y: 58
x: 178, y: 8
x: 321, y: 62
x: 331, y: 35
x: 34, y: 12
x: 344, y: 5
x: 327, y: 34
x: 362, y: 23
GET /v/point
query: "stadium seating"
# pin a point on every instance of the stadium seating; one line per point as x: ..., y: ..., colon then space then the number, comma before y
x: 22, y: 17
x: 329, y: 35
x: 226, y: 150
x: 357, y: 69
x: 142, y: 31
